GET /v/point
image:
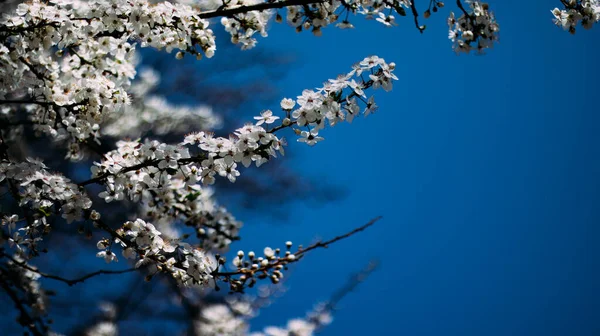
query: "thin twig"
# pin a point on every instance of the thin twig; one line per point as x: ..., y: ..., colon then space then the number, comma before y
x: 69, y: 282
x: 325, y: 244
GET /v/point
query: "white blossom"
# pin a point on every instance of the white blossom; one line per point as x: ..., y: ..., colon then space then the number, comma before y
x: 475, y: 30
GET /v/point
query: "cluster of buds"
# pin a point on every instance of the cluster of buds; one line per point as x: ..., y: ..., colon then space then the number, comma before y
x: 251, y: 268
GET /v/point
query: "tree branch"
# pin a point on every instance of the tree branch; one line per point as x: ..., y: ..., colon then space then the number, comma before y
x: 23, y: 101
x: 300, y: 252
x: 69, y: 282
x: 416, y: 16
x: 338, y: 238
x: 229, y: 12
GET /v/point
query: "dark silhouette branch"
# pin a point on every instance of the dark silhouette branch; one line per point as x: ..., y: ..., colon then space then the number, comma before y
x: 415, y: 14
x: 229, y: 12
x: 69, y: 282
x: 326, y: 244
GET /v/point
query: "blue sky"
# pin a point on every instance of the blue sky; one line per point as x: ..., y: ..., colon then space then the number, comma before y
x: 485, y: 169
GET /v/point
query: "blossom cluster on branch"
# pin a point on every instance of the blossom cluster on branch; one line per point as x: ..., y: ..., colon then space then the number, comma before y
x: 476, y: 29
x: 586, y: 12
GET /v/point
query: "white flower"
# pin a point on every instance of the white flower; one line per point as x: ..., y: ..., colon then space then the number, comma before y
x: 108, y: 256
x: 266, y: 117
x: 371, y: 106
x: 287, y: 104
x: 229, y: 171
x: 10, y: 222
x: 311, y: 138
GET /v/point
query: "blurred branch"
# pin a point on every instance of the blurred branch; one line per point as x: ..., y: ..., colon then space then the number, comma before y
x: 352, y: 283
x: 25, y: 318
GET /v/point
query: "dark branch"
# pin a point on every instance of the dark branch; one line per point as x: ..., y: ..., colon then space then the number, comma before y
x: 69, y: 282
x: 338, y: 238
x: 301, y: 251
x: 258, y: 7
x: 23, y: 101
x: 416, y: 16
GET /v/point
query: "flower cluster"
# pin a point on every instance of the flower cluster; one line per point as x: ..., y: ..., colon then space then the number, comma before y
x: 164, y: 181
x: 102, y: 328
x: 74, y: 59
x: 316, y: 319
x: 142, y: 241
x: 221, y: 319
x: 249, y: 144
x: 243, y: 26
x: 41, y: 190
x: 318, y: 15
x: 474, y: 30
x: 135, y: 167
x: 105, y: 324
x: 40, y: 193
x: 194, y: 206
x: 585, y: 11
x: 332, y: 104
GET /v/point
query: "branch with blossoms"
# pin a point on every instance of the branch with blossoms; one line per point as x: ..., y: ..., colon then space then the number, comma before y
x: 190, y: 266
x: 142, y: 240
x: 271, y: 264
x: 84, y: 51
x: 575, y: 12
